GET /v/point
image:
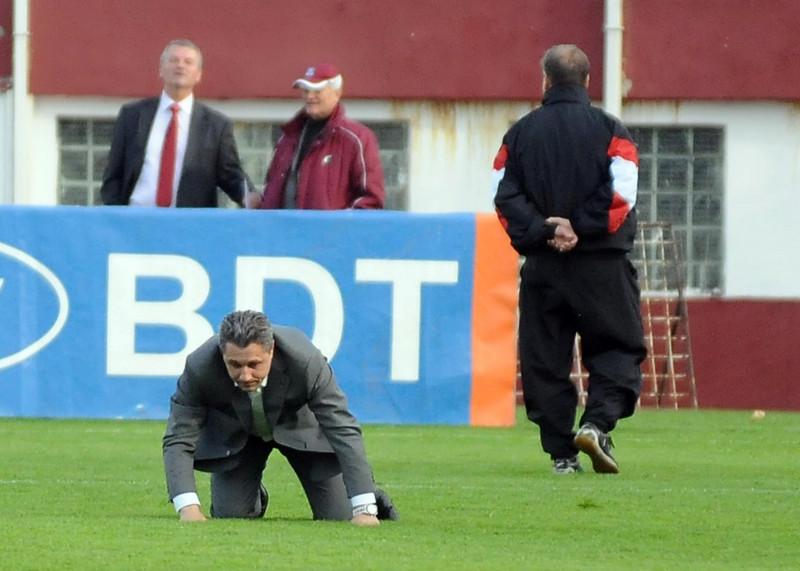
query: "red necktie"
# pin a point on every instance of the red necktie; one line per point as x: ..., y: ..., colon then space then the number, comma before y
x: 166, y: 173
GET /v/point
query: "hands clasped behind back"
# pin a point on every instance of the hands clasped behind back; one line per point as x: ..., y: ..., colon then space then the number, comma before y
x: 565, y: 238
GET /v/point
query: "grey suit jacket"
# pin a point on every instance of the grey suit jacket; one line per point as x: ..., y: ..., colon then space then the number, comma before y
x: 210, y: 418
x: 211, y: 159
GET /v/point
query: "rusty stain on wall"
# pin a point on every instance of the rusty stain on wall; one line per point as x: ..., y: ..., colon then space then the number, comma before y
x: 451, y: 148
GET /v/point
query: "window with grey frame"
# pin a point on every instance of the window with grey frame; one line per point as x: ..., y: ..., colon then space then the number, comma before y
x: 681, y: 183
x: 84, y: 145
x: 393, y: 146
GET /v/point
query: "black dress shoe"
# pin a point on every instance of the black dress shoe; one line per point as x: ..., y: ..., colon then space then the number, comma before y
x: 386, y: 509
x: 262, y: 492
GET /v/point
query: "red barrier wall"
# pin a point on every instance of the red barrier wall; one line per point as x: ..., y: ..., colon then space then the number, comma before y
x: 746, y: 353
x: 713, y: 49
x: 6, y: 23
x: 415, y: 49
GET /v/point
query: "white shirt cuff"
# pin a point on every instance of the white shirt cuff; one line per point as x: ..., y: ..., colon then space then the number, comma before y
x: 361, y: 499
x: 187, y: 499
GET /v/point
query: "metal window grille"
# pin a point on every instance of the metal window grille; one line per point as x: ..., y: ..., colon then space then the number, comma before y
x: 681, y: 183
x: 83, y: 155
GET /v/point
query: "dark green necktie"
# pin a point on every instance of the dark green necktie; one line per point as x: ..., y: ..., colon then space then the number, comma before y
x: 260, y: 425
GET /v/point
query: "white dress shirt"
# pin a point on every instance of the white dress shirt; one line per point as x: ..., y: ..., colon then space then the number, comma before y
x: 191, y: 498
x: 144, y: 193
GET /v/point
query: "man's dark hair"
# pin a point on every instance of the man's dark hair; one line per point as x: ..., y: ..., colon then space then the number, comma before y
x: 245, y: 327
x: 566, y: 63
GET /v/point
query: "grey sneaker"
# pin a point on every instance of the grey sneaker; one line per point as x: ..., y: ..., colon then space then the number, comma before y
x: 597, y: 445
x: 567, y: 465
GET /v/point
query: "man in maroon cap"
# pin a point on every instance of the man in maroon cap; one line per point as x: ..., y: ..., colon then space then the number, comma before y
x: 324, y: 160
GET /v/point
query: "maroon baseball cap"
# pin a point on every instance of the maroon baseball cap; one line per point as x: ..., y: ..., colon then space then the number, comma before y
x: 318, y: 76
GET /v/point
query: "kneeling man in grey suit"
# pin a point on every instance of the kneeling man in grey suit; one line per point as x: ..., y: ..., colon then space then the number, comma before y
x: 247, y: 391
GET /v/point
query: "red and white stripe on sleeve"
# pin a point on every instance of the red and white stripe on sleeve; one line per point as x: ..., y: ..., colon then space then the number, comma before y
x: 499, y: 167
x: 498, y: 171
x: 624, y: 180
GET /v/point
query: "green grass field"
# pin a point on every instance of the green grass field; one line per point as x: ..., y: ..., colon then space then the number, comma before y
x: 707, y: 490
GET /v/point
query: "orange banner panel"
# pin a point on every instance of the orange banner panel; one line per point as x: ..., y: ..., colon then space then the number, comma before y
x: 494, y: 321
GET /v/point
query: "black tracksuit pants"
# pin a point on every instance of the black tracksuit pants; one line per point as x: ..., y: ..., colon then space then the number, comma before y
x: 595, y: 295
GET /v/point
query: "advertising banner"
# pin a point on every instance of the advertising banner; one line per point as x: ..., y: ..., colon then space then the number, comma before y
x: 100, y: 306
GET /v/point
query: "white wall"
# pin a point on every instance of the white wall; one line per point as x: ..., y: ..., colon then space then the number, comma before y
x: 452, y: 146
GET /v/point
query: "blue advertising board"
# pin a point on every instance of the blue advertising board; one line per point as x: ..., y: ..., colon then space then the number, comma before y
x: 100, y: 306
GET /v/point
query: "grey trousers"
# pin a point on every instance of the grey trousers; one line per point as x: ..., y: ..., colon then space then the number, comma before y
x: 236, y: 493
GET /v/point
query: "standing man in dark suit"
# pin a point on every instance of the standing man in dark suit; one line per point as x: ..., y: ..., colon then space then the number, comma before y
x: 247, y: 391
x: 205, y: 155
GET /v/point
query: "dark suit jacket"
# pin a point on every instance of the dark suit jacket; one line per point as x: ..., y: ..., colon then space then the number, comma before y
x: 210, y: 418
x: 211, y: 158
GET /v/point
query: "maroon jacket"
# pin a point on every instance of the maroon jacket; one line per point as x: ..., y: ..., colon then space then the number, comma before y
x: 341, y: 170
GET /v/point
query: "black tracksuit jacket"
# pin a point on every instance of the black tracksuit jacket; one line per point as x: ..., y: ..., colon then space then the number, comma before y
x: 568, y: 159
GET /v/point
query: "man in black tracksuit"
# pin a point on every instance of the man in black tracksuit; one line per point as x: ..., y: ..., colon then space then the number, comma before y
x: 566, y: 196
